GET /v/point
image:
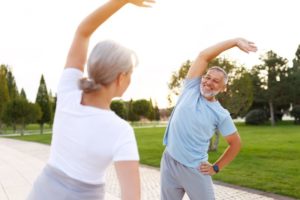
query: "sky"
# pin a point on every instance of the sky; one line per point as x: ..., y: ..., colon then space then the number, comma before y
x: 35, y: 36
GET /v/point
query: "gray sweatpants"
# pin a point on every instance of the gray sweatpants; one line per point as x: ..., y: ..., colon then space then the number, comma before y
x: 176, y: 179
x: 53, y: 184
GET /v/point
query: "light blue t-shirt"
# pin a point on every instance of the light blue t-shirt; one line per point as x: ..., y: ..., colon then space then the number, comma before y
x: 193, y: 122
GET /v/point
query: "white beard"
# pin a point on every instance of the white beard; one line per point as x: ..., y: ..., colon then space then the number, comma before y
x: 208, y: 94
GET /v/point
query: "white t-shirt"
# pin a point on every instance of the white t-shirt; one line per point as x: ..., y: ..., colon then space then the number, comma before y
x: 86, y: 140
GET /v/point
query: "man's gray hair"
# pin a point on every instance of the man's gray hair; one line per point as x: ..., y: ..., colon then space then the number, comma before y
x: 217, y: 68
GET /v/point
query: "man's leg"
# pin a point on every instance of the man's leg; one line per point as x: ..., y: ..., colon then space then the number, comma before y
x: 197, y: 185
x: 170, y: 188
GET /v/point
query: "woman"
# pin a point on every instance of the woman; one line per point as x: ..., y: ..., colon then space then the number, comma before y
x: 87, y: 135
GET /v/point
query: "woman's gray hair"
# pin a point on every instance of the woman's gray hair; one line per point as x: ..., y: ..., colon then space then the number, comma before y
x: 217, y: 68
x: 107, y: 60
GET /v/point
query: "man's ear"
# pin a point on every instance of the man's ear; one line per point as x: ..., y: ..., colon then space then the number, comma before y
x: 224, y: 89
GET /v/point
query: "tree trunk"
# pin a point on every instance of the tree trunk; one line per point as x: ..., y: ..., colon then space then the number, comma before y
x: 22, y: 129
x: 41, y: 128
x: 214, y: 142
x: 217, y: 139
x: 14, y: 125
x: 272, y: 113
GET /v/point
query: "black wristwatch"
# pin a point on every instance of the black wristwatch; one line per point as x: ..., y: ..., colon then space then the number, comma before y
x: 216, y: 168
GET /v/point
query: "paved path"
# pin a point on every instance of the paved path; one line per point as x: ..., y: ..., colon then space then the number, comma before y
x: 21, y: 162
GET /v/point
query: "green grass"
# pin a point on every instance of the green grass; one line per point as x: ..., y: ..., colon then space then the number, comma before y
x: 30, y: 128
x: 269, y: 159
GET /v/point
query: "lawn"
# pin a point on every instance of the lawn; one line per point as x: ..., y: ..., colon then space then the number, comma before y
x: 269, y: 159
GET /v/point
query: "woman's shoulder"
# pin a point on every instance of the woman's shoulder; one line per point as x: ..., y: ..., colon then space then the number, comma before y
x: 122, y: 124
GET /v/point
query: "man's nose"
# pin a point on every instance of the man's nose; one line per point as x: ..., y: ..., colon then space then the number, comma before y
x: 209, y: 81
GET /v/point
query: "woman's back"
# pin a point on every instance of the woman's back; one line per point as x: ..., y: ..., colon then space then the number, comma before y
x: 87, y: 139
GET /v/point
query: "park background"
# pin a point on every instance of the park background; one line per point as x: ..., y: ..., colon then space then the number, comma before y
x: 263, y: 87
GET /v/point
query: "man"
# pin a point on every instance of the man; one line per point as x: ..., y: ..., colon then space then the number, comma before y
x: 195, y: 118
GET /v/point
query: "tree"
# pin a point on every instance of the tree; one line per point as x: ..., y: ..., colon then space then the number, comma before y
x: 131, y: 116
x: 119, y: 108
x: 296, y: 60
x: 238, y: 97
x: 296, y: 114
x: 42, y: 99
x: 260, y: 99
x: 20, y: 112
x: 12, y: 86
x: 23, y: 94
x: 151, y: 114
x: 141, y: 107
x: 256, y: 117
x: 295, y: 78
x: 53, y: 100
x: 273, y: 83
x: 176, y: 80
x: 156, y: 112
x: 4, y: 94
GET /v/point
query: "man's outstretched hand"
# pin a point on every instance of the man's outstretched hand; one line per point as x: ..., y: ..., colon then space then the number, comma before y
x: 245, y: 45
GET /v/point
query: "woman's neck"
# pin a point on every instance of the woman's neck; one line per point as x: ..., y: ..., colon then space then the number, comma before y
x: 96, y: 99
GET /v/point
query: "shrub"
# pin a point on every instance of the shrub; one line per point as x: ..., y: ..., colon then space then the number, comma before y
x: 256, y: 117
x: 296, y: 114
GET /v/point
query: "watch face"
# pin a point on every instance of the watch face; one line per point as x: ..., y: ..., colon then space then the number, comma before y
x: 216, y: 168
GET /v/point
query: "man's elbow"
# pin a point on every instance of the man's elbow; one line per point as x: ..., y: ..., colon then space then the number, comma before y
x: 235, y: 142
x: 238, y: 143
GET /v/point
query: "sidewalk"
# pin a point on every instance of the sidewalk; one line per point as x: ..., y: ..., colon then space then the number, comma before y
x: 21, y: 162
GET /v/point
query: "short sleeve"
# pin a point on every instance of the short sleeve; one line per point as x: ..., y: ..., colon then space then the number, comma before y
x: 126, y: 146
x: 69, y: 80
x: 191, y: 83
x: 227, y: 127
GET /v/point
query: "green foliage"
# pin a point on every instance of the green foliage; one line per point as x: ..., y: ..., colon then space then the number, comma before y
x: 53, y: 100
x: 131, y: 116
x: 296, y: 113
x: 4, y: 94
x: 151, y: 114
x: 156, y: 113
x: 295, y: 85
x: 20, y: 112
x: 141, y: 107
x: 134, y: 110
x: 239, y: 95
x: 119, y: 108
x: 295, y: 78
x: 12, y: 86
x: 177, y: 78
x: 271, y: 83
x: 23, y: 94
x: 256, y: 117
x: 42, y: 99
x: 296, y: 60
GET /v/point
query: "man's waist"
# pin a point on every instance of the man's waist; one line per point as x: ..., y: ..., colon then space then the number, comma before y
x: 189, y: 159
